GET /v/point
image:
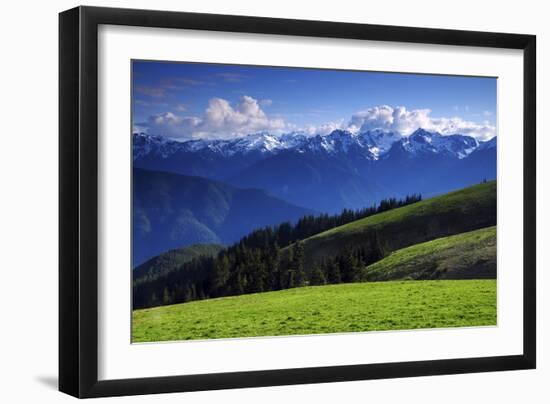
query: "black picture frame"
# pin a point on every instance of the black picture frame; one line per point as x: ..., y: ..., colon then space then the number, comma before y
x: 78, y: 201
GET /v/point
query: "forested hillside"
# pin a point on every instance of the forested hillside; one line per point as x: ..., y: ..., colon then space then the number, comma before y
x: 314, y: 253
x: 253, y: 264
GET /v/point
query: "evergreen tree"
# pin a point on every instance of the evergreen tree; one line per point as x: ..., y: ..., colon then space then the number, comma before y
x: 239, y: 283
x: 317, y: 276
x: 187, y: 296
x: 350, y: 265
x: 154, y: 300
x: 221, y: 275
x: 290, y: 281
x: 166, y: 298
x: 272, y: 268
x: 297, y: 263
x: 257, y: 272
x: 333, y: 271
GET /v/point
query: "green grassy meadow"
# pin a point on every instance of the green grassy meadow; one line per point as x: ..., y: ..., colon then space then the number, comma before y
x: 470, y: 255
x: 356, y: 307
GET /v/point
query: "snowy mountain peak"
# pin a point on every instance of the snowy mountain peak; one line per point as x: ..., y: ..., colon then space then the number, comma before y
x: 143, y: 145
x: 421, y: 132
x: 339, y: 141
x: 379, y: 142
x: 422, y: 141
x: 372, y: 145
x: 261, y: 141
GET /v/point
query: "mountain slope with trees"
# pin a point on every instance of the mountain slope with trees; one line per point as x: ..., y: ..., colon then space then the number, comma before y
x: 456, y: 212
x: 171, y: 260
x: 253, y: 264
x: 288, y: 256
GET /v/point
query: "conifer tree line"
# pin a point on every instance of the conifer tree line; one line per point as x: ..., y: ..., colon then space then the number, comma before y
x: 257, y: 264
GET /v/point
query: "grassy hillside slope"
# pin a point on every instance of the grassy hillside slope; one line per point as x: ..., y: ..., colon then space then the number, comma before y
x: 324, y: 309
x: 470, y: 255
x: 172, y: 260
x: 456, y: 212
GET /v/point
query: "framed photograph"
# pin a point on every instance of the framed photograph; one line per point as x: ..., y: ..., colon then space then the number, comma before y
x: 252, y: 202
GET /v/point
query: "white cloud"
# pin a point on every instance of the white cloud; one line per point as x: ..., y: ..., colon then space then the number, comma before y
x: 324, y: 129
x: 170, y: 125
x: 224, y: 120
x: 403, y: 121
x: 220, y: 120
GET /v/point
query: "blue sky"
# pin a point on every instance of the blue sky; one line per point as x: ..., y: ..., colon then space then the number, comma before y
x: 196, y: 100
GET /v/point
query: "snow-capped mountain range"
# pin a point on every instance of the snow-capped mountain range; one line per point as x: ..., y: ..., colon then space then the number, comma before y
x: 374, y: 144
x: 331, y: 172
x: 189, y: 189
